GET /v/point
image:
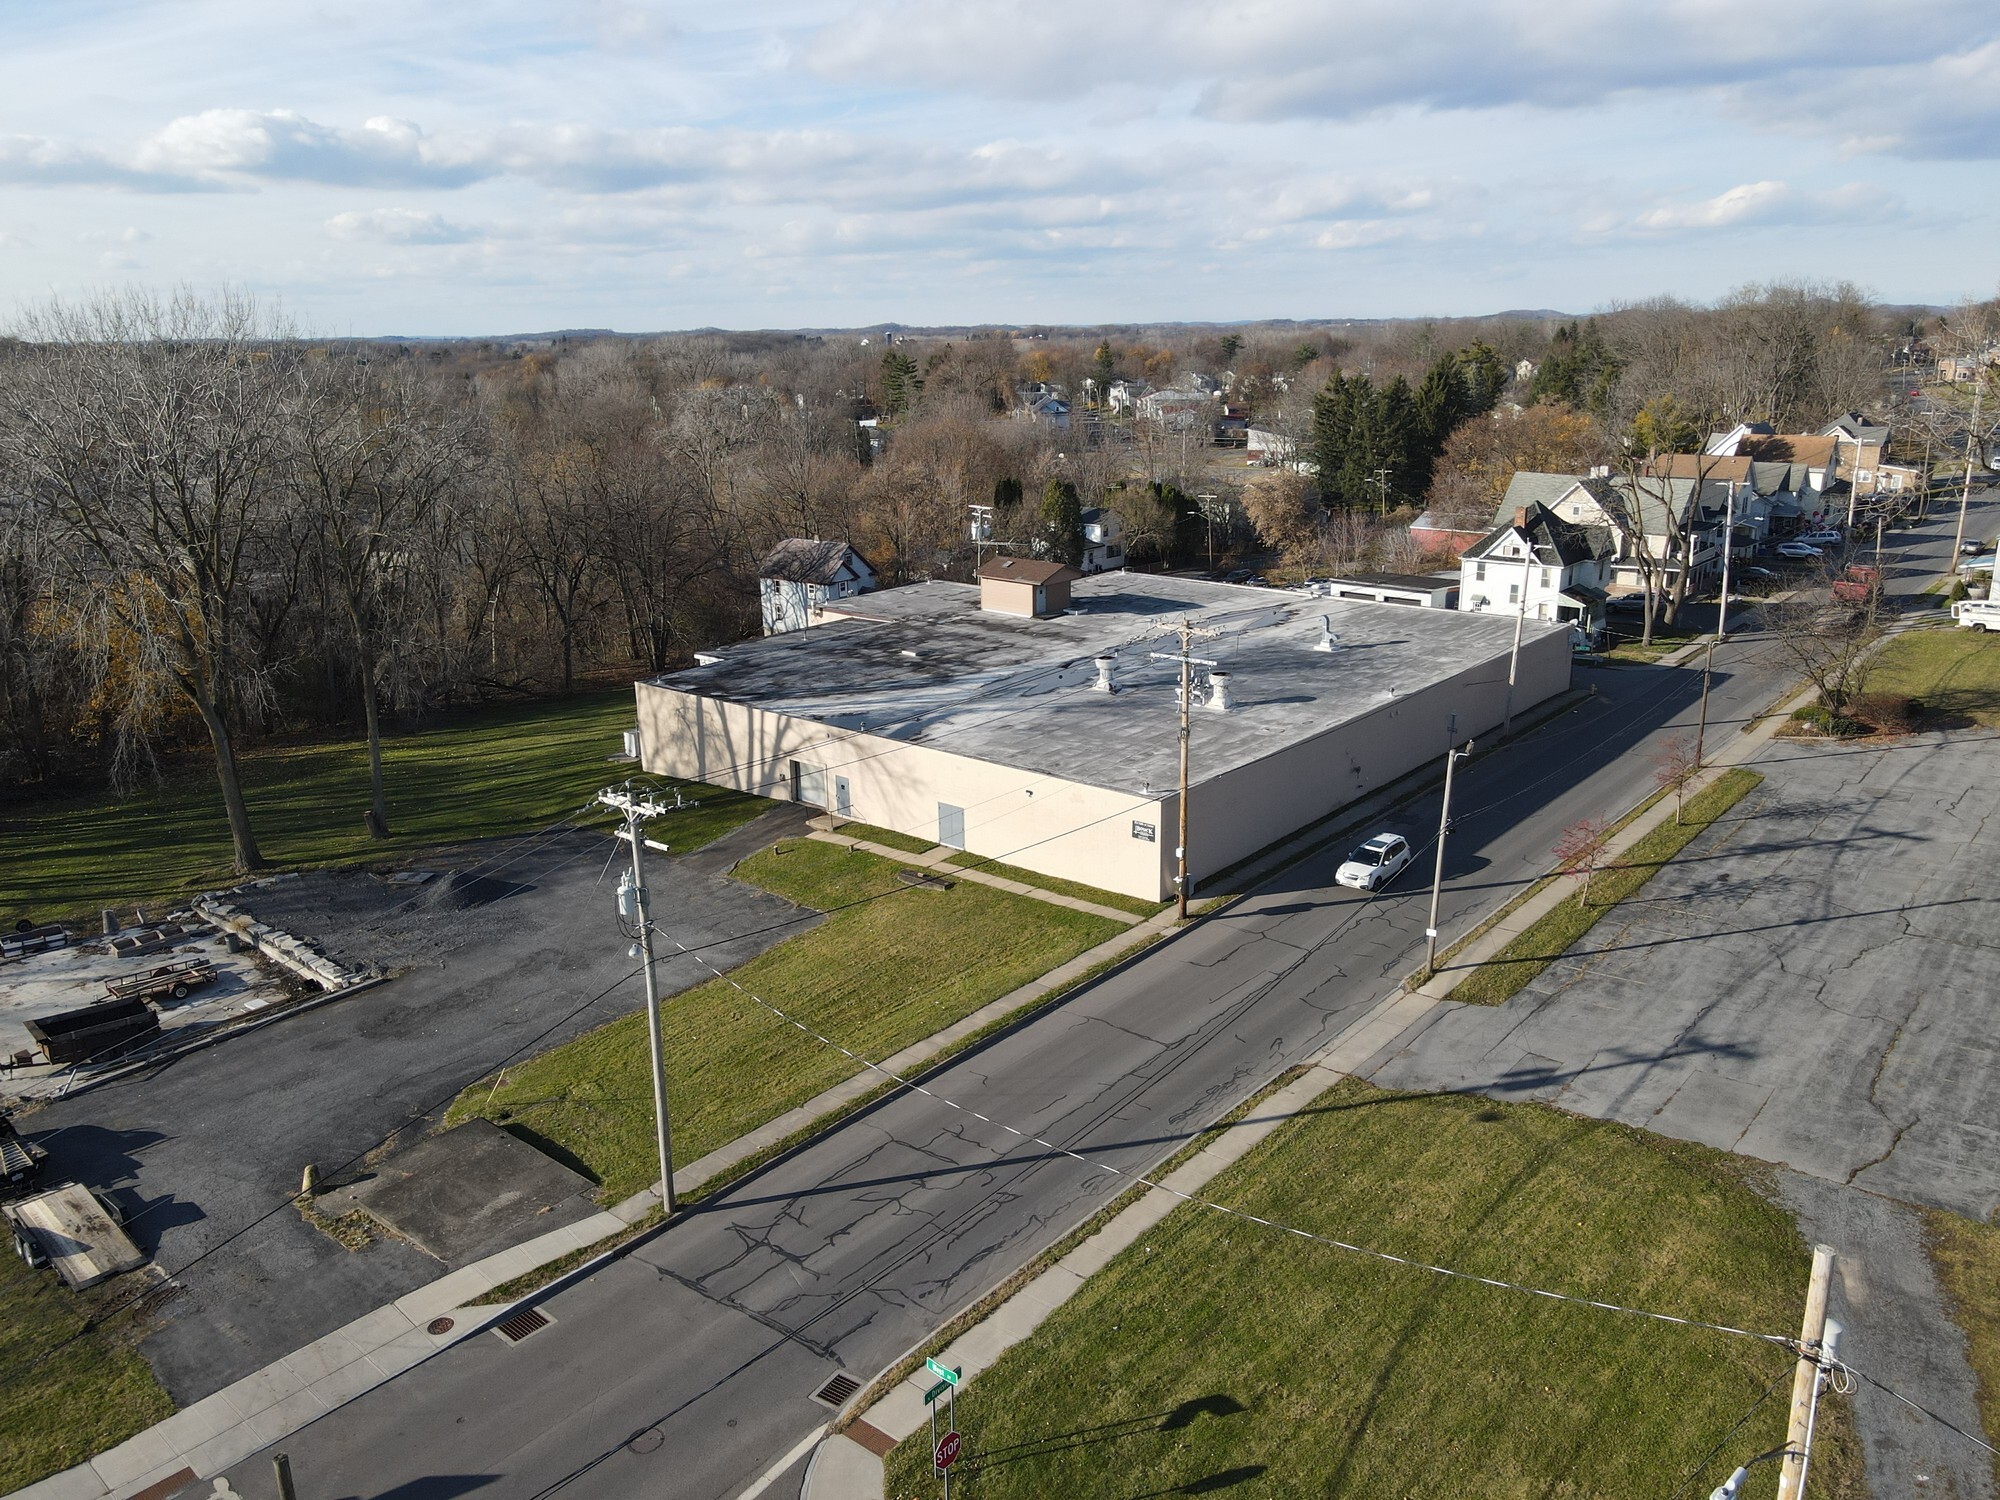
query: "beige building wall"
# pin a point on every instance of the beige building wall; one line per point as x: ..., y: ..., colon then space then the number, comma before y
x: 1238, y: 813
x: 1016, y: 816
x: 1065, y: 828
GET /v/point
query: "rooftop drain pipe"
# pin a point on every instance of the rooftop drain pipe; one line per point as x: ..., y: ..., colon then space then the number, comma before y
x: 1218, y: 693
x: 1104, y: 664
x: 1329, y: 639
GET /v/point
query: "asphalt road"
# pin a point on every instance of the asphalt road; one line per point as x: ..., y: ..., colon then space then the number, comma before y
x: 201, y: 1150
x: 686, y: 1367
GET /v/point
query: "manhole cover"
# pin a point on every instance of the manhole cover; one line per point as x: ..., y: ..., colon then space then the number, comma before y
x: 647, y: 1441
x: 441, y: 1325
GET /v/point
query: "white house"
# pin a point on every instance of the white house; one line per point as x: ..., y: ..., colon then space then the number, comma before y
x: 802, y: 575
x: 1540, y: 566
x: 1178, y: 407
x: 1103, y: 540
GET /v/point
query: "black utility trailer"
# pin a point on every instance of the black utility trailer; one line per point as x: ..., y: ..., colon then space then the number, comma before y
x: 104, y: 1030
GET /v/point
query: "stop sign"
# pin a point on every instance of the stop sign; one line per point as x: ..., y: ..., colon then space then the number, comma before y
x: 947, y: 1450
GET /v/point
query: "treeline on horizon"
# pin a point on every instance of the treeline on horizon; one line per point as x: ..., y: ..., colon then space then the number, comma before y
x: 215, y: 529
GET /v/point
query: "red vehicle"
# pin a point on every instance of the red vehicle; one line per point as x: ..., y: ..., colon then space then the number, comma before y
x: 1857, y: 584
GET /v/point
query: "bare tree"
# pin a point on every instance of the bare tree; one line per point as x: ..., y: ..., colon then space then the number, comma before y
x: 1581, y: 850
x: 1676, y: 765
x: 152, y: 427
x: 373, y: 456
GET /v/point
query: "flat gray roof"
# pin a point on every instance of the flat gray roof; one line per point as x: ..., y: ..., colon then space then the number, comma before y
x: 924, y: 663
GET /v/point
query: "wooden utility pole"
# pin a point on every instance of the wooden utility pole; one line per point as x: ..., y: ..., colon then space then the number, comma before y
x: 1188, y: 662
x: 1972, y: 447
x: 1805, y: 1378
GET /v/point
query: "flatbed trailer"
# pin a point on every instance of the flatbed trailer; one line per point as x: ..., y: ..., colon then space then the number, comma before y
x: 172, y: 981
x: 75, y: 1231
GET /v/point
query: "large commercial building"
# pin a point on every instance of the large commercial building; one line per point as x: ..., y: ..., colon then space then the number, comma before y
x: 1034, y: 718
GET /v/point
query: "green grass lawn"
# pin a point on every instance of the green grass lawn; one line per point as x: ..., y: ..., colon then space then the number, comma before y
x: 93, y: 1395
x: 1221, y: 1356
x: 1058, y: 885
x: 1954, y: 673
x: 1516, y: 965
x: 875, y: 977
x: 888, y: 838
x: 1967, y: 1257
x: 497, y: 771
x: 1666, y: 640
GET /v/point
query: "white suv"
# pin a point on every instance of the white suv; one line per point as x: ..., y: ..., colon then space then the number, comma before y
x: 1375, y: 863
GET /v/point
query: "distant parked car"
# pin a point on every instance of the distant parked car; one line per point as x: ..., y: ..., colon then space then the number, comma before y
x: 1375, y: 863
x: 1753, y: 571
x: 1972, y: 548
x: 1827, y: 538
x: 1797, y: 549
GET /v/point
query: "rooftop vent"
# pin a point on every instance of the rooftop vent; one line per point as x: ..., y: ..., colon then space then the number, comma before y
x: 1219, y: 700
x: 1104, y: 664
x: 1329, y: 638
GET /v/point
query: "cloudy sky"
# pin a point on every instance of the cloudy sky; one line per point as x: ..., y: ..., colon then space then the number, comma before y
x: 506, y: 165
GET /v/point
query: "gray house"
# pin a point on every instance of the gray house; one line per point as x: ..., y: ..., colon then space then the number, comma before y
x: 802, y: 575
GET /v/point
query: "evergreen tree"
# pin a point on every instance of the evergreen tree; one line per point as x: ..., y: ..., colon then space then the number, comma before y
x: 1440, y: 401
x: 1578, y: 371
x: 1062, y: 522
x: 1400, y: 445
x: 1106, y: 364
x: 901, y: 383
x: 1007, y: 517
x: 1486, y: 376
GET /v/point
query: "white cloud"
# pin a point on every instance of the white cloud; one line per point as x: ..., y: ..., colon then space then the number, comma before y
x: 1769, y: 204
x: 396, y: 226
x: 282, y: 144
x: 1266, y: 60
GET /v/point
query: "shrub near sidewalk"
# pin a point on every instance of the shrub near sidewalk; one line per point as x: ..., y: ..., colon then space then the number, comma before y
x: 902, y: 964
x: 1219, y: 1355
x: 1517, y: 964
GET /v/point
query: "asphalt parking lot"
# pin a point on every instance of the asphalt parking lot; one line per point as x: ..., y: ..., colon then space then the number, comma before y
x: 1815, y: 982
x: 205, y: 1150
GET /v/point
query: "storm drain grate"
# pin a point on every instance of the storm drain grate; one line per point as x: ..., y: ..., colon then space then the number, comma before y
x: 517, y: 1326
x: 837, y: 1392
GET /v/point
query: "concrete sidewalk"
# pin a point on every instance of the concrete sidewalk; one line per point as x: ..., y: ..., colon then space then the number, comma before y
x: 938, y: 859
x: 849, y: 1465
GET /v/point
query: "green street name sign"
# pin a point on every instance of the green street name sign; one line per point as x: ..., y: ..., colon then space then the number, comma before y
x: 936, y: 1391
x: 943, y: 1372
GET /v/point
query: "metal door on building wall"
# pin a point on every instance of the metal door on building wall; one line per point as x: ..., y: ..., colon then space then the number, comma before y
x: 951, y: 826
x: 843, y: 798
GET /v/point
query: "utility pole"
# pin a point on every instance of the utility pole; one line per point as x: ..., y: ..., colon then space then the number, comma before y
x: 632, y: 907
x: 1451, y: 758
x: 1728, y: 546
x: 982, y: 532
x: 1805, y: 1378
x: 1853, y: 478
x: 1188, y: 663
x: 1965, y: 494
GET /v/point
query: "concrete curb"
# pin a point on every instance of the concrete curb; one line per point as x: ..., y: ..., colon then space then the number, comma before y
x: 846, y: 1469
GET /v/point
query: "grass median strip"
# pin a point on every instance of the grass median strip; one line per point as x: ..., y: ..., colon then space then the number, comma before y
x: 877, y: 976
x: 477, y: 775
x: 1516, y: 965
x: 1217, y: 1353
x: 1967, y: 1257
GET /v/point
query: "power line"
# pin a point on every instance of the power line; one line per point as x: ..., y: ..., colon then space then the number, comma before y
x: 1140, y: 1179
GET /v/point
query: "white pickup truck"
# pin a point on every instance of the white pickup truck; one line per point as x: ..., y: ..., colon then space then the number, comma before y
x: 1976, y: 614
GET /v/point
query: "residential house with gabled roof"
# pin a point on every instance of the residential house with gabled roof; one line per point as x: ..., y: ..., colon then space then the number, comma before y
x: 802, y: 575
x: 1540, y: 566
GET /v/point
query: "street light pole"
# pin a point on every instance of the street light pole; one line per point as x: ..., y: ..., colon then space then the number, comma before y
x: 1451, y: 758
x: 1514, y: 656
x: 1701, y: 724
x: 1728, y: 547
x: 1965, y: 494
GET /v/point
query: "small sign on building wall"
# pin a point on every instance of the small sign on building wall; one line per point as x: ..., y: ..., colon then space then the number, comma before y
x: 1144, y: 831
